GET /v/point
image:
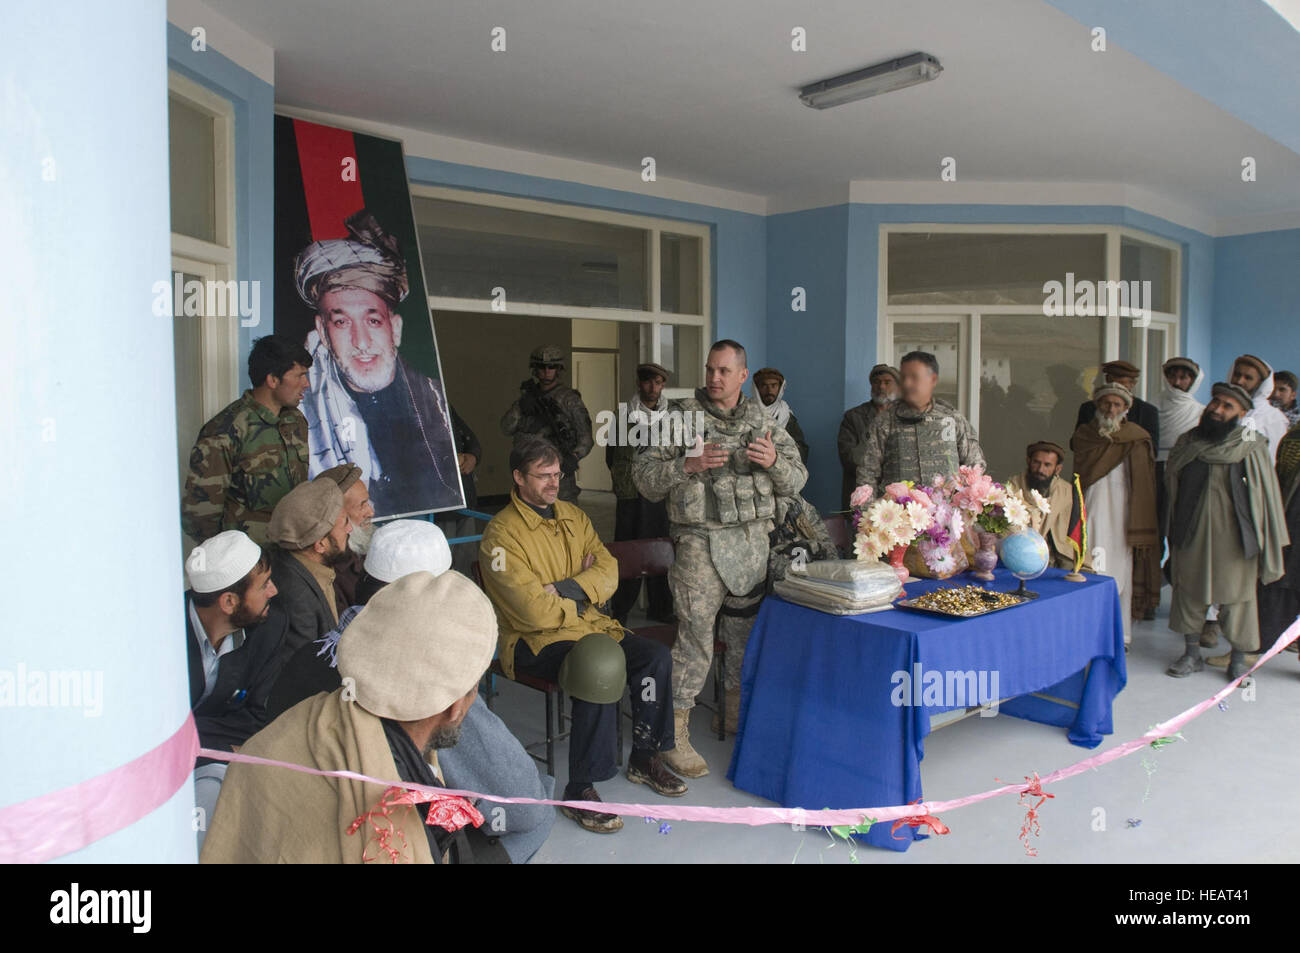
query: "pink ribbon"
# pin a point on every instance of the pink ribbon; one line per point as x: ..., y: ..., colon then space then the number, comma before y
x: 60, y: 822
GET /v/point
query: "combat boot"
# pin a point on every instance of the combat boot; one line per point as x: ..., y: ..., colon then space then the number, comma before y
x: 683, y: 758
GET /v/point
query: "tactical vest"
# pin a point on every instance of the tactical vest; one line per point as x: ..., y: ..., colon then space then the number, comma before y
x: 737, y: 493
x: 915, y: 448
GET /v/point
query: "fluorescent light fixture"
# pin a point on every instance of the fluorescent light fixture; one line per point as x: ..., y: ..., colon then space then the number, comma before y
x: 881, y: 78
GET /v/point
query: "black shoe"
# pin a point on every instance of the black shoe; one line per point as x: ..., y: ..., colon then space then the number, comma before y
x: 657, y: 776
x: 593, y: 821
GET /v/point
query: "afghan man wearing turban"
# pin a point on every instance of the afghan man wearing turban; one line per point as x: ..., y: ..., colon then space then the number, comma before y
x: 1117, y: 470
x: 1226, y: 528
x: 367, y: 406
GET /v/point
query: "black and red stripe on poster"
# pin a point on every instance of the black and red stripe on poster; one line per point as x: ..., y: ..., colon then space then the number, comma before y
x: 350, y: 287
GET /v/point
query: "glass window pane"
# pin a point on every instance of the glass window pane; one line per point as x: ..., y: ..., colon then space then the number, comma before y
x: 679, y: 270
x: 538, y: 259
x: 940, y: 338
x: 192, y: 147
x: 987, y: 268
x: 1139, y: 261
x: 681, y: 351
x: 1034, y: 373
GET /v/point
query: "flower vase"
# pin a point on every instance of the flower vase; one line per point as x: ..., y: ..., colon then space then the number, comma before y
x: 896, y: 561
x: 986, y: 557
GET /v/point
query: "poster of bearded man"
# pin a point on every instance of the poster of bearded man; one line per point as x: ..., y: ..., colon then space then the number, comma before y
x: 350, y: 286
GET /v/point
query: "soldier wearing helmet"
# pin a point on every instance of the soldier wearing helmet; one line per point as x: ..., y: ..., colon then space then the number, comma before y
x: 548, y: 408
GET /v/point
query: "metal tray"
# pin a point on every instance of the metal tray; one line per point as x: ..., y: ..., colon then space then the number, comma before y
x: 908, y: 604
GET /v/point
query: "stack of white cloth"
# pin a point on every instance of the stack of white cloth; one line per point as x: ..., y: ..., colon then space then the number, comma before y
x: 840, y: 586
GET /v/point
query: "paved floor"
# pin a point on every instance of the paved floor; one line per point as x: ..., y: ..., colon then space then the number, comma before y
x: 1209, y: 799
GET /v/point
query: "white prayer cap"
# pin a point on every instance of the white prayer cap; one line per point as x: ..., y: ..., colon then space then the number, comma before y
x: 222, y: 561
x: 406, y: 546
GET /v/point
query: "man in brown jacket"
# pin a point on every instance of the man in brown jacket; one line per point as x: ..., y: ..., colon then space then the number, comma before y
x: 547, y: 574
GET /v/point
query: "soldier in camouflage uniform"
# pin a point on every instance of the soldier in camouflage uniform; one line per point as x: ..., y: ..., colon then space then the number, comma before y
x: 917, y: 437
x: 552, y: 410
x: 252, y: 453
x: 721, y: 504
x: 857, y: 422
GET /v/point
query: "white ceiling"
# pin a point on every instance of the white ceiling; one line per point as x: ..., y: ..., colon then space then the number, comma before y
x: 708, y: 87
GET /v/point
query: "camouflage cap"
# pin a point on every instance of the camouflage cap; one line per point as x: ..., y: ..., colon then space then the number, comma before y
x: 343, y: 475
x: 546, y: 354
x: 305, y: 514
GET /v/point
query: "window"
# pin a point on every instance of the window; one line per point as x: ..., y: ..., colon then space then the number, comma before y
x: 974, y: 297
x: 506, y: 275
x: 205, y: 346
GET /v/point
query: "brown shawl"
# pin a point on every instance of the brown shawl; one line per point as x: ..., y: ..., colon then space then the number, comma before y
x: 269, y: 815
x: 1095, y: 456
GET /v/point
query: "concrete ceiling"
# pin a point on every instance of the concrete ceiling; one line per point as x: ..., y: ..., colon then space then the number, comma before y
x: 709, y: 89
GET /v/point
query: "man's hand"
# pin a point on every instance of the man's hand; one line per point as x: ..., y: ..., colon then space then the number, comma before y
x: 550, y: 587
x: 588, y: 561
x: 762, y: 451
x: 711, y: 455
x: 467, y: 462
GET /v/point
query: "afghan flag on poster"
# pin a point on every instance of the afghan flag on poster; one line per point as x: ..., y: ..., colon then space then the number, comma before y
x: 350, y: 288
x: 1078, y: 526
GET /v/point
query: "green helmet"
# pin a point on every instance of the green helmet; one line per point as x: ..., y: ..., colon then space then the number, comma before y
x: 595, y: 670
x: 546, y: 354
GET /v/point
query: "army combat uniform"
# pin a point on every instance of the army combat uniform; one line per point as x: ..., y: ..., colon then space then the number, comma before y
x: 558, y: 414
x: 719, y: 521
x: 908, y: 444
x: 244, y: 460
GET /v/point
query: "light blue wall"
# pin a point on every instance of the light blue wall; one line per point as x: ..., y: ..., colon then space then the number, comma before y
x: 836, y: 251
x: 92, y: 563
x: 253, y: 101
x: 1257, y: 299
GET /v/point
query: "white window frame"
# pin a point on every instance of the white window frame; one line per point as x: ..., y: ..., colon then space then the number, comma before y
x: 970, y: 315
x: 219, y: 335
x: 653, y: 315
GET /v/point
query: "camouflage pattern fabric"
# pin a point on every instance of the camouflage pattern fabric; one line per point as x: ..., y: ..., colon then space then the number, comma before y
x: 561, y: 418
x: 244, y: 460
x: 907, y: 444
x: 854, y: 428
x: 719, y: 521
x: 798, y: 527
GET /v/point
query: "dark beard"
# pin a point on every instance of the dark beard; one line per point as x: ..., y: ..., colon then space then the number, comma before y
x: 1215, y: 431
x: 445, y: 737
x: 1034, y: 483
x: 241, y: 618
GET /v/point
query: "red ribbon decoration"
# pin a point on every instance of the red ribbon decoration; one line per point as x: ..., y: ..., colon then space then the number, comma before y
x: 1033, y: 789
x: 445, y: 810
x: 918, y: 820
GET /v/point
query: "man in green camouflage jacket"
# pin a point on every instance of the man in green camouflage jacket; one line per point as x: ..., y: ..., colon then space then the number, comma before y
x: 917, y: 437
x: 721, y: 494
x: 550, y: 409
x: 254, y: 451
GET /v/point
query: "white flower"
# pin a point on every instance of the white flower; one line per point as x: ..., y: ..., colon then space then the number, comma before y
x: 888, y: 515
x: 1017, y: 513
x: 918, y: 517
x: 1040, y: 502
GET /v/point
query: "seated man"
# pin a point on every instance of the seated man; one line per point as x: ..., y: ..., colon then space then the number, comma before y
x: 411, y: 662
x: 1042, y: 473
x: 487, y: 757
x: 356, y: 503
x: 546, y: 573
x: 310, y: 530
x: 233, y: 639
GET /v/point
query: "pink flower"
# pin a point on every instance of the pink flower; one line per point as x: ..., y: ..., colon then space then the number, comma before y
x: 861, y: 496
x: 898, y: 492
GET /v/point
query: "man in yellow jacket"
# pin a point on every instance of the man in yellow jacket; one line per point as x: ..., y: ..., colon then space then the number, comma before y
x: 547, y: 573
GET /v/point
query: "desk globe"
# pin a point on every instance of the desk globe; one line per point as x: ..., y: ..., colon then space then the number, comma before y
x: 1025, y: 554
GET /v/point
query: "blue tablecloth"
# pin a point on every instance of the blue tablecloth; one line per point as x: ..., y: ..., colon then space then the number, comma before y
x: 821, y: 719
